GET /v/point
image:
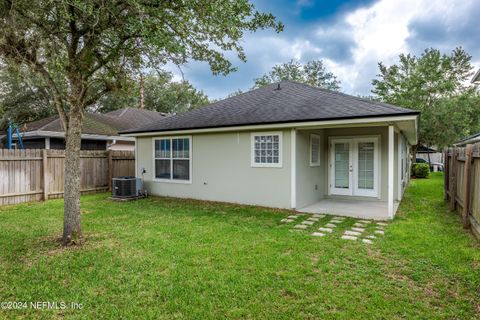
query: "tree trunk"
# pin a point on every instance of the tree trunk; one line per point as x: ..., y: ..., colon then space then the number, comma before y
x: 72, y: 232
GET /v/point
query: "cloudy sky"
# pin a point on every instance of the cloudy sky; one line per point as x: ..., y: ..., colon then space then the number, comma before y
x: 350, y: 36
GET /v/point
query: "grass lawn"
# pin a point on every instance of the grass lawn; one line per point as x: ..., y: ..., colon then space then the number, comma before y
x: 162, y: 258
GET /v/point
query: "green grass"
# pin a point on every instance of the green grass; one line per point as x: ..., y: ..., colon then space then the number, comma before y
x: 163, y: 258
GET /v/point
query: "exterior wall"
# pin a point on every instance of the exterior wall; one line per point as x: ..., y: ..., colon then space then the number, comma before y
x: 221, y: 171
x: 434, y: 156
x: 310, y: 180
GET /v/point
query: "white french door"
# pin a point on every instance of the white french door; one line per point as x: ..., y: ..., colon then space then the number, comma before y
x: 354, y: 165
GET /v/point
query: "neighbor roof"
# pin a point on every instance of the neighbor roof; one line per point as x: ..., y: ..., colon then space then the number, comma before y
x: 101, y: 124
x: 476, y: 76
x: 474, y: 138
x: 282, y: 102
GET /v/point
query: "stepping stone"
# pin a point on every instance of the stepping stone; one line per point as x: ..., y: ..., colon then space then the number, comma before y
x: 329, y: 230
x: 379, y: 228
x: 371, y: 237
x: 382, y: 224
x: 330, y: 225
x: 360, y: 225
x: 358, y: 229
x: 318, y: 234
x: 319, y: 216
x: 300, y: 226
x: 364, y: 221
x: 338, y: 218
x: 349, y: 237
x: 301, y: 214
x: 367, y: 241
x: 352, y: 233
x: 379, y: 232
x: 313, y: 219
x: 287, y: 220
x: 309, y: 223
x: 336, y: 221
x: 292, y: 217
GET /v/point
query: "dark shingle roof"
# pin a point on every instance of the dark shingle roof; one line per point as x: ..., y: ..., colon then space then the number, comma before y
x: 101, y: 124
x: 294, y: 102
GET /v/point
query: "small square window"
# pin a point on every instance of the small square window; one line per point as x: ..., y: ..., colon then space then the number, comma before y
x: 266, y: 153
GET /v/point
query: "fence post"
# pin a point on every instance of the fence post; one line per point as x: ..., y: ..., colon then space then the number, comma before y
x: 467, y: 182
x: 445, y: 173
x: 110, y: 169
x: 45, y: 174
x: 453, y: 179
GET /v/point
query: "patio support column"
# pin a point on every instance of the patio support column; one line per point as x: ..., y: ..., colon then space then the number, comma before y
x: 391, y: 133
x: 293, y: 168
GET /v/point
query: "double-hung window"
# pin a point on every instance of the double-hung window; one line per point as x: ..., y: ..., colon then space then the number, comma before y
x: 173, y: 156
x: 314, y: 150
x: 266, y: 149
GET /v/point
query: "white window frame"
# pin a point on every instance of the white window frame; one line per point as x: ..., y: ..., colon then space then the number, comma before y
x: 315, y: 136
x: 190, y: 158
x: 280, y: 149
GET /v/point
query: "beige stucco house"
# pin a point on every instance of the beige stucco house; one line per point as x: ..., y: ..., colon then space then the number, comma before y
x: 286, y: 145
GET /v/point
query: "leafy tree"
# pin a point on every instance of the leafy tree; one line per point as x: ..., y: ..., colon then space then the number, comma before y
x: 22, y: 101
x: 161, y: 94
x: 436, y: 85
x: 82, y: 50
x: 313, y: 73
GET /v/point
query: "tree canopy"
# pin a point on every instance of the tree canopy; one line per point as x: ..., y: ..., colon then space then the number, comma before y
x: 313, y: 73
x: 161, y: 94
x: 437, y: 85
x: 83, y: 50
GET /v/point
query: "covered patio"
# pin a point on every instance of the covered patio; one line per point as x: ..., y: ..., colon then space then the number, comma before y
x: 364, y: 209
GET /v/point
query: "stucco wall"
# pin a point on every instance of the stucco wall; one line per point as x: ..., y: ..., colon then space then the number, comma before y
x: 221, y: 171
x: 310, y: 180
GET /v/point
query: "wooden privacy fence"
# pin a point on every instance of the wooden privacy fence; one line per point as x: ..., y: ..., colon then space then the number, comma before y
x: 33, y: 175
x: 462, y: 184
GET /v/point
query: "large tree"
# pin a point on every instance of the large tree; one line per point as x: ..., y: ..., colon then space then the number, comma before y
x: 313, y: 73
x: 437, y: 85
x: 161, y: 94
x: 84, y: 49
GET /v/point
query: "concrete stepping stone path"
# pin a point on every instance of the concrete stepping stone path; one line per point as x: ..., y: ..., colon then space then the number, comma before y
x: 318, y: 234
x: 292, y: 217
x: 308, y: 223
x: 383, y: 224
x: 379, y: 232
x: 330, y: 225
x: 367, y: 241
x: 359, y: 225
x: 329, y: 230
x: 349, y: 237
x: 300, y: 226
x: 318, y: 216
x: 313, y: 219
x: 352, y: 233
x: 287, y: 220
x: 358, y: 229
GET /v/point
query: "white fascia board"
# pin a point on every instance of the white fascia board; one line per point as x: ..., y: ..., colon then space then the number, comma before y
x: 55, y: 134
x: 373, y: 121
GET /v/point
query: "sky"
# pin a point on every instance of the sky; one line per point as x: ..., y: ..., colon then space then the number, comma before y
x: 351, y: 37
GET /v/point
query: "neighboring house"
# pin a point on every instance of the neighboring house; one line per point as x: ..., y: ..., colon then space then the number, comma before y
x: 474, y: 138
x: 424, y: 153
x: 476, y: 77
x: 285, y: 145
x: 99, y: 131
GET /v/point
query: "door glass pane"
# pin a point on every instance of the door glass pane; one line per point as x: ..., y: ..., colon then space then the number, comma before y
x: 365, y: 165
x: 342, y: 163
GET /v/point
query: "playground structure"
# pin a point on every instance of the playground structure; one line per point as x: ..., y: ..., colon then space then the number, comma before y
x: 13, y: 128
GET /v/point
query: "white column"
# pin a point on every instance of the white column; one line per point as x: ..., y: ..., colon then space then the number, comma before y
x: 47, y: 143
x: 293, y: 168
x: 391, y: 133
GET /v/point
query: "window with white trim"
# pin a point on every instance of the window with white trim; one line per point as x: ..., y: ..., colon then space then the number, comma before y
x: 314, y: 150
x: 267, y: 149
x: 173, y: 158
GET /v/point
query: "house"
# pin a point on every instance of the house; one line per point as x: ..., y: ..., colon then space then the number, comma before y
x: 99, y: 131
x: 429, y: 154
x: 285, y: 145
x: 476, y: 77
x: 474, y: 138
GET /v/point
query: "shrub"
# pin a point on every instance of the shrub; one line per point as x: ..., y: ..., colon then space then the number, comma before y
x: 421, y: 170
